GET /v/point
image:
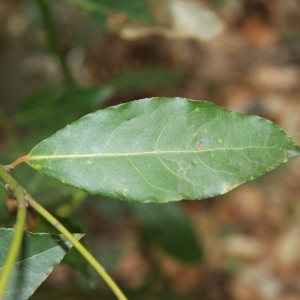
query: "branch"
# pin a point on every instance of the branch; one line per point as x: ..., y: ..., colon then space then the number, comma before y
x: 23, y: 198
x: 18, y: 193
x: 85, y: 253
x: 46, y: 16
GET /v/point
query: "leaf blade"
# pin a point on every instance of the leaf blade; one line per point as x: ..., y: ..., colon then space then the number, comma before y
x: 162, y: 149
x: 39, y: 255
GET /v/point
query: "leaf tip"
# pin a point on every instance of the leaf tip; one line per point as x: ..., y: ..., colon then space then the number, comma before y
x: 79, y: 236
x: 295, y: 153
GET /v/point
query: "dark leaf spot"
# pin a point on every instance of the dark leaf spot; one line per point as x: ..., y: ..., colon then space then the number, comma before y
x: 199, y: 145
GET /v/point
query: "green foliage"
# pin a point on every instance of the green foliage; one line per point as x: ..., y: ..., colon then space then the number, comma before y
x: 39, y: 255
x: 68, y: 103
x: 169, y: 227
x: 138, y: 10
x: 157, y: 149
x: 162, y: 149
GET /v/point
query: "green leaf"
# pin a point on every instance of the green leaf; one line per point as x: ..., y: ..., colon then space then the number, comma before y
x: 39, y: 255
x: 138, y: 10
x: 74, y: 259
x: 68, y: 103
x: 162, y: 149
x: 145, y: 78
x: 170, y: 228
x: 50, y: 192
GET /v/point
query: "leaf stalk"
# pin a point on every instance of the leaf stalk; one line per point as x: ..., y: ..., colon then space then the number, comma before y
x: 24, y: 199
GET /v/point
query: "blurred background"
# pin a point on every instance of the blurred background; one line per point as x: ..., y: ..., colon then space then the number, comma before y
x: 60, y: 60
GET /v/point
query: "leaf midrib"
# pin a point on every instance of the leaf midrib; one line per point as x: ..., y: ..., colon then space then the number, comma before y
x: 118, y: 154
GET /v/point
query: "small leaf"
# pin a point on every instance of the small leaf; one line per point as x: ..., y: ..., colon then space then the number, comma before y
x: 74, y: 259
x: 170, y: 228
x: 39, y: 255
x: 149, y: 77
x: 163, y: 149
x: 138, y: 10
x: 68, y: 103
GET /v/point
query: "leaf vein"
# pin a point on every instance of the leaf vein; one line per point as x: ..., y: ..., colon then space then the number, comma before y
x: 118, y: 154
x: 149, y: 183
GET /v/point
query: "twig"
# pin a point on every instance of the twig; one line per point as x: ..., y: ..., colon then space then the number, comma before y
x: 46, y: 16
x: 16, y: 163
x: 24, y: 198
x: 17, y: 191
x: 85, y: 253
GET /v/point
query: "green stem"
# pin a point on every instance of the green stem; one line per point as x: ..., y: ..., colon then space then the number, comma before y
x: 17, y: 191
x: 85, y: 253
x: 24, y: 198
x: 46, y: 16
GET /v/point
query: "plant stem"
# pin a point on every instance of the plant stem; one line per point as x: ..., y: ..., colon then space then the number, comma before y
x: 46, y: 16
x: 17, y: 191
x: 85, y: 253
x: 16, y: 163
x: 23, y: 198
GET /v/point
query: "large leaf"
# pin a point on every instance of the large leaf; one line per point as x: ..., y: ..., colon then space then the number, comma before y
x: 39, y: 255
x: 162, y: 149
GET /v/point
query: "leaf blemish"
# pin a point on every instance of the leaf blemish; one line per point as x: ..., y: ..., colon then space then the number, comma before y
x: 56, y: 239
x: 199, y: 145
x: 37, y: 167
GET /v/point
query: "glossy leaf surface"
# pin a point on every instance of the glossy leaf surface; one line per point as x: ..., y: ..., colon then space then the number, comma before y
x: 163, y: 149
x: 39, y: 255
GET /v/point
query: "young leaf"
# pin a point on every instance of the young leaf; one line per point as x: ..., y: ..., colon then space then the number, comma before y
x: 162, y: 149
x: 39, y: 255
